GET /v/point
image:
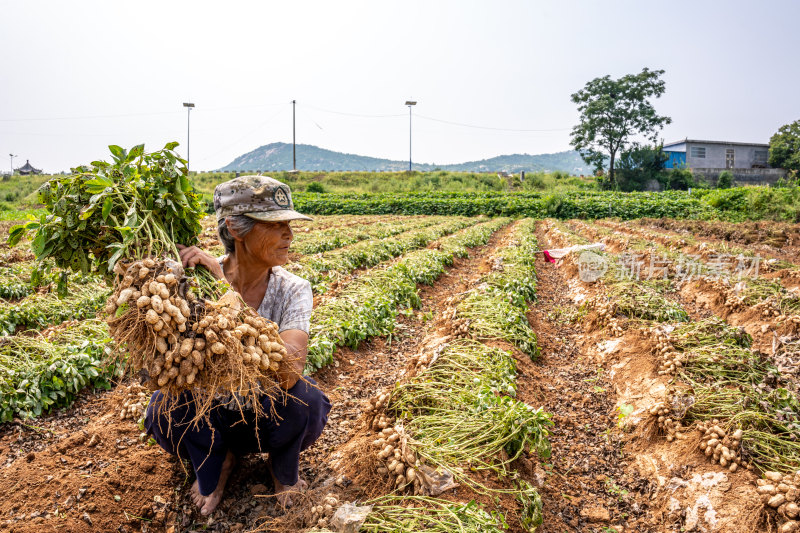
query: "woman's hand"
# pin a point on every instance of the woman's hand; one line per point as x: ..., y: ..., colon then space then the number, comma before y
x: 191, y: 256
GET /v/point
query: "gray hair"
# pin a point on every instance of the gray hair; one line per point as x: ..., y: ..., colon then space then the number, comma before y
x: 240, y: 224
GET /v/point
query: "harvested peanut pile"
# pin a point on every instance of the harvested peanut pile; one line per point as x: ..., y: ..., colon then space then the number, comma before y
x: 135, y: 401
x: 667, y: 421
x: 183, y: 341
x: 721, y: 447
x: 606, y: 311
x: 781, y: 492
x: 400, y: 461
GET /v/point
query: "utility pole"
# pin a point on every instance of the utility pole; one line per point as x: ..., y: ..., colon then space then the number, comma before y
x: 409, y: 103
x: 294, y: 142
x: 189, y: 106
x: 11, y: 157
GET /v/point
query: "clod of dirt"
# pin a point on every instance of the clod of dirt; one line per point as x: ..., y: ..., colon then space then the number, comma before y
x: 596, y: 514
x: 258, y: 489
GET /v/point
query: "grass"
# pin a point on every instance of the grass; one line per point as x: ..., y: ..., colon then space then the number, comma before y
x: 10, y: 213
x: 382, y: 182
x: 18, y: 189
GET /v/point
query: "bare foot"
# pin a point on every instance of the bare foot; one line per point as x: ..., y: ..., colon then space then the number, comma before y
x: 283, y: 493
x: 197, y: 498
x: 207, y: 504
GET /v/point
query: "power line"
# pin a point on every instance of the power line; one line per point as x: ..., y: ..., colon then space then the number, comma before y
x: 487, y: 127
x: 309, y: 117
x: 89, y: 117
x: 128, y: 115
x: 250, y: 106
x: 450, y: 122
x: 243, y: 137
x: 354, y: 114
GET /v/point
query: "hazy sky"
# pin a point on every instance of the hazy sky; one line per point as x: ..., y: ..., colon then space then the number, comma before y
x: 77, y: 76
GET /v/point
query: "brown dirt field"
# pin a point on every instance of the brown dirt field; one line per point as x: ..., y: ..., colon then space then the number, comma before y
x: 666, y: 486
x: 701, y: 299
x: 54, y: 480
x: 778, y: 238
x: 608, y: 471
x: 676, y: 238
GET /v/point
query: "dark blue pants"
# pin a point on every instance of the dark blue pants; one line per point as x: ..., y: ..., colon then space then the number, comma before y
x: 292, y: 424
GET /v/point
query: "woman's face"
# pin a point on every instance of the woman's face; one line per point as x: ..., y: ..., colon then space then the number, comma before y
x: 269, y: 242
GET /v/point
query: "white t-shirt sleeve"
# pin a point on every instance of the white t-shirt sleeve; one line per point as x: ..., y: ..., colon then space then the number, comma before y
x: 297, y: 303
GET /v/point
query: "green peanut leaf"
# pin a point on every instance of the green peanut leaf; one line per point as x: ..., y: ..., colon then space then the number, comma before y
x: 108, y: 205
x: 135, y: 152
x: 118, y: 152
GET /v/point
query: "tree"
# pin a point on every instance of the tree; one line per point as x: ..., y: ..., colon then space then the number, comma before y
x: 638, y: 165
x: 784, y: 147
x: 613, y: 112
x: 725, y: 180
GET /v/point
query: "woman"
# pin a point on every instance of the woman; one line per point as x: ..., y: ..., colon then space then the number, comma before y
x: 253, y: 216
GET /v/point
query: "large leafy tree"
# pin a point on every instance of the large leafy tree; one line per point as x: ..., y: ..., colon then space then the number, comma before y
x: 784, y: 147
x: 614, y: 113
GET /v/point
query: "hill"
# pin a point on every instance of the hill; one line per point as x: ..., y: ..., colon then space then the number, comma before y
x: 278, y: 156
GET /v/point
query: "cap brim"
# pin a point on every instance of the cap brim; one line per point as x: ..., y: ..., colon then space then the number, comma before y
x: 278, y: 215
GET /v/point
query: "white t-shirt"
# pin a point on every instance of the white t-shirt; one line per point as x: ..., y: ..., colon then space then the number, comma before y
x: 288, y: 300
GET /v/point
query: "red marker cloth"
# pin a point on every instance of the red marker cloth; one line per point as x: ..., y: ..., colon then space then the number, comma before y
x: 557, y: 254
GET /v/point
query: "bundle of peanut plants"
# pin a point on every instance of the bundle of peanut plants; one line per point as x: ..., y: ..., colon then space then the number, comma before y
x: 731, y: 385
x: 125, y: 219
x: 461, y: 411
x: 421, y: 513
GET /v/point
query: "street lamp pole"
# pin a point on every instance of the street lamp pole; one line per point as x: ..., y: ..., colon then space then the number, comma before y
x: 294, y: 142
x: 11, y: 158
x: 409, y: 103
x: 189, y: 106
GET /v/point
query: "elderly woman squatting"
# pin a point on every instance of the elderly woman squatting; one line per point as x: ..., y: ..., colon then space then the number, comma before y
x: 253, y: 215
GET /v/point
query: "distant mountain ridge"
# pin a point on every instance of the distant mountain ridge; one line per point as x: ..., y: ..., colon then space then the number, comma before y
x: 278, y: 156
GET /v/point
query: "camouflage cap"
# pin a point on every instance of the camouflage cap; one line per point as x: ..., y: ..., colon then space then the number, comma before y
x: 258, y: 197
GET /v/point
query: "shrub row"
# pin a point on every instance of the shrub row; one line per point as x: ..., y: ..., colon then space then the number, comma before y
x: 740, y: 203
x: 568, y: 205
